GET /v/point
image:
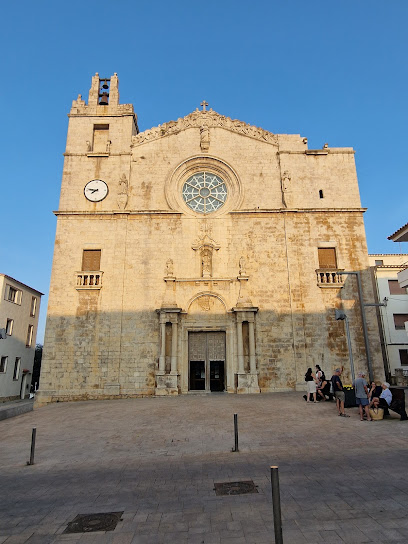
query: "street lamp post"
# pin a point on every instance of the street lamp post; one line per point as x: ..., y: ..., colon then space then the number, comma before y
x: 364, y: 322
x: 340, y: 315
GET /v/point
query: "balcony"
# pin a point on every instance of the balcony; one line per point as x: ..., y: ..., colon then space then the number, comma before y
x: 403, y: 278
x: 329, y: 278
x: 89, y: 280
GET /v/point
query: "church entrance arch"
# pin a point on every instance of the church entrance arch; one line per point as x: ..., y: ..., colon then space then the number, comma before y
x: 206, y: 361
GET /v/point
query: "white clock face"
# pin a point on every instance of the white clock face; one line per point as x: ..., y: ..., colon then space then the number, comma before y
x: 96, y: 190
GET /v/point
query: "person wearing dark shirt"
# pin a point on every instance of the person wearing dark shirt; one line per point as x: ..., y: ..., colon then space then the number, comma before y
x: 338, y: 391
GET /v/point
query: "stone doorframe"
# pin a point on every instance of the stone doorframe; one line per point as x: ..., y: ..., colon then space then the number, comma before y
x: 223, y: 325
x: 247, y: 382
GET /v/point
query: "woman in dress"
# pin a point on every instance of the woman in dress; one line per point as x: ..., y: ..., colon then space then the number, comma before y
x: 310, y: 379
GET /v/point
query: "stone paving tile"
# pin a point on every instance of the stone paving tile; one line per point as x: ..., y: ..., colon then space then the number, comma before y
x: 157, y: 461
x: 331, y: 537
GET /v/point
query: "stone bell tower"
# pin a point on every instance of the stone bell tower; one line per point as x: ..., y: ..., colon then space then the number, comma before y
x: 95, y: 190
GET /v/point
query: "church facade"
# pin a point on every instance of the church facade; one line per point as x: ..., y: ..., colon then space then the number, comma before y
x: 201, y: 255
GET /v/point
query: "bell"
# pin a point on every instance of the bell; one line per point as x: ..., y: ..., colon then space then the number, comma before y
x: 105, y: 85
x: 104, y: 99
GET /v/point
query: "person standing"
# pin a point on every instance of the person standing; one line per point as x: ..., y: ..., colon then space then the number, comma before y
x: 338, y: 391
x: 361, y: 390
x: 310, y: 379
x: 321, y: 382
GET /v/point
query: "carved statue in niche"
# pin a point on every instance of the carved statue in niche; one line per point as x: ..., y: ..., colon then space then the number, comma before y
x: 242, y: 266
x: 206, y: 262
x: 108, y: 146
x: 123, y: 192
x: 206, y: 246
x: 285, y: 184
x: 286, y: 179
x: 204, y: 138
x: 88, y: 146
x: 169, y: 268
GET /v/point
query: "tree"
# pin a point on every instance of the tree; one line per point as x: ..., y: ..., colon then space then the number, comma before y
x: 37, y: 365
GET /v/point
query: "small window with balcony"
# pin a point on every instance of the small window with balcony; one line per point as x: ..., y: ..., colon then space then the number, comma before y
x: 395, y: 288
x: 399, y: 321
x: 328, y: 274
x: 9, y: 326
x: 3, y: 364
x: 16, y: 372
x: 90, y: 277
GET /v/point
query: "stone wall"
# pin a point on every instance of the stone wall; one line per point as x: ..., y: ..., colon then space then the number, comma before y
x: 284, y: 202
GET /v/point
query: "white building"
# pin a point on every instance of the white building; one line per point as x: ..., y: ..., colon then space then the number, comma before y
x: 394, y: 315
x: 19, y: 309
x: 401, y: 235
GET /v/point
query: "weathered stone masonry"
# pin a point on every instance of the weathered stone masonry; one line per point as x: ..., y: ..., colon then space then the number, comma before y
x: 218, y: 247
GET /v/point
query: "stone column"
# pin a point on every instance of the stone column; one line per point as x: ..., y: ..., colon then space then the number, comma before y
x: 247, y: 381
x: 167, y: 384
x: 162, y: 358
x: 240, y: 346
x: 252, y: 361
x: 174, y: 347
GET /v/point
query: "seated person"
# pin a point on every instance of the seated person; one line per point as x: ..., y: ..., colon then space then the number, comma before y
x: 385, y: 401
x: 324, y: 391
x: 375, y: 390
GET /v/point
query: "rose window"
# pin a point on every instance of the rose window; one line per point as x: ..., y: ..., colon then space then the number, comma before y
x: 204, y: 192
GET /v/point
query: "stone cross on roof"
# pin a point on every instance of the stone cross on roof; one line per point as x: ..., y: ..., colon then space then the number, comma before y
x: 204, y: 104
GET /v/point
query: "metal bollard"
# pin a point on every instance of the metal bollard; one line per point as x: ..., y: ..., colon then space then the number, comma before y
x: 235, y: 432
x: 277, y: 516
x: 32, y: 452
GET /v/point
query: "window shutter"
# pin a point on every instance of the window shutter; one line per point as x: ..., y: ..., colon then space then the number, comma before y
x: 327, y: 257
x: 91, y: 259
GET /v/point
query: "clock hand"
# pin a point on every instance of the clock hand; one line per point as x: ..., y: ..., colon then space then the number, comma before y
x: 93, y: 190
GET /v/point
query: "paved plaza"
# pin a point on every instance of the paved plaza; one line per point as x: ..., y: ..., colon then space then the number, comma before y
x: 157, y: 460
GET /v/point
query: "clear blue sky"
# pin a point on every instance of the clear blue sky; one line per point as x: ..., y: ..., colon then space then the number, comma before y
x: 333, y: 71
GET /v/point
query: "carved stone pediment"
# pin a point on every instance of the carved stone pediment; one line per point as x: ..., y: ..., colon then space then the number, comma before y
x: 209, y: 119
